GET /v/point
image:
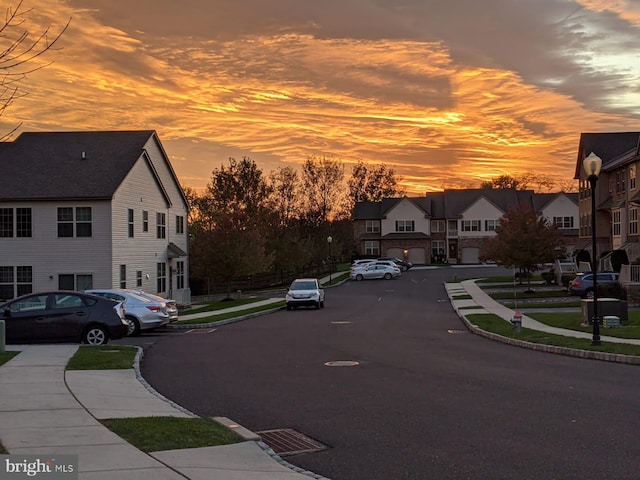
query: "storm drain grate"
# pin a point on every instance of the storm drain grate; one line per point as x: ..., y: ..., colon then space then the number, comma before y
x: 286, y: 441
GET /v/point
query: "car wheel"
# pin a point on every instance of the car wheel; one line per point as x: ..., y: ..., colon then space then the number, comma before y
x: 288, y: 307
x: 95, y: 335
x: 588, y: 294
x: 322, y: 304
x: 317, y: 305
x: 358, y: 277
x: 387, y: 276
x: 133, y: 326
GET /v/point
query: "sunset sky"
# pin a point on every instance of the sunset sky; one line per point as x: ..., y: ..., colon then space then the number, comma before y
x: 448, y: 93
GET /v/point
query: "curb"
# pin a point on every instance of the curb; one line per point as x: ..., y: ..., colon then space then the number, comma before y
x: 226, y: 321
x: 541, y: 347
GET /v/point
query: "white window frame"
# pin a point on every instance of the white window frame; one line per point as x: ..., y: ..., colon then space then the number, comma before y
x: 405, y: 226
x: 471, y: 226
x: 491, y: 225
x: 372, y: 247
x: 372, y: 226
x: 616, y: 223
x: 438, y: 226
x: 633, y: 221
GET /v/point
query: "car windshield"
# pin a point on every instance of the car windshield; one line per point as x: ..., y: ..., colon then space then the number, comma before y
x: 304, y: 285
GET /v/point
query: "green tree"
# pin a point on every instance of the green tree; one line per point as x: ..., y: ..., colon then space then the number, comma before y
x: 230, y: 224
x: 523, y: 241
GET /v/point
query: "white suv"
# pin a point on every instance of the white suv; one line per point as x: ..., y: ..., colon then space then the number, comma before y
x: 305, y: 292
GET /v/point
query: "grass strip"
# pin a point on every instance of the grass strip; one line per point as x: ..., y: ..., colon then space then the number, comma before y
x: 103, y: 357
x: 494, y: 324
x: 228, y: 315
x: 222, y: 304
x: 573, y: 320
x: 154, y: 434
x: 523, y: 295
x: 6, y: 356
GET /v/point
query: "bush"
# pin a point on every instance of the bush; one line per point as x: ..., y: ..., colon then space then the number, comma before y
x: 612, y: 290
x: 566, y: 278
x: 549, y: 277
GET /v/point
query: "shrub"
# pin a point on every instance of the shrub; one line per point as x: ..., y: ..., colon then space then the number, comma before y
x: 612, y: 290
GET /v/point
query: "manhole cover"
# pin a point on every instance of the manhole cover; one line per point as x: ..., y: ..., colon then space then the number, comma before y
x: 342, y: 363
x: 287, y: 441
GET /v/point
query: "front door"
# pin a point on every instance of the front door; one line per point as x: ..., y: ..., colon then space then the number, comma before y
x: 453, y: 251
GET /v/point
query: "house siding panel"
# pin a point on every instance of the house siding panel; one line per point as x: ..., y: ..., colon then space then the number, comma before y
x: 44, y: 249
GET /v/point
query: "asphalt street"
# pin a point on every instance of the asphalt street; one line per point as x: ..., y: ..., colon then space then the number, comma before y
x: 427, y: 400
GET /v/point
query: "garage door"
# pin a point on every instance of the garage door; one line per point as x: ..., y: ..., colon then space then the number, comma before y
x: 471, y: 255
x: 394, y: 253
x: 417, y: 256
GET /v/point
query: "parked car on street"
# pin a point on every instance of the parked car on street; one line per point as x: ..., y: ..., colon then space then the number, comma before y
x: 172, y: 307
x: 305, y: 292
x: 362, y: 262
x: 142, y: 314
x: 63, y: 316
x: 375, y: 271
x: 582, y: 285
x: 404, y: 265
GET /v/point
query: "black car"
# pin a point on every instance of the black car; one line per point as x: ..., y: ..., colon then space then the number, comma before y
x: 402, y: 264
x: 63, y: 316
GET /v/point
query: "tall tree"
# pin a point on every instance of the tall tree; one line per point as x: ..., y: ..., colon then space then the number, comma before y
x: 232, y: 219
x: 524, y: 241
x: 372, y: 183
x: 322, y: 190
x: 19, y: 49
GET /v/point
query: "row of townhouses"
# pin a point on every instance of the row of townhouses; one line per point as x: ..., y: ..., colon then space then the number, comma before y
x: 617, y: 198
x: 452, y: 226
x: 82, y: 210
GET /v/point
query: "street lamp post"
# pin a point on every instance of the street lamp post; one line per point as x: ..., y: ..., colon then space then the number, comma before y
x: 329, y: 240
x: 592, y: 165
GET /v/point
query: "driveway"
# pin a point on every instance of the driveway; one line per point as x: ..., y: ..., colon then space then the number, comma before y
x: 426, y: 400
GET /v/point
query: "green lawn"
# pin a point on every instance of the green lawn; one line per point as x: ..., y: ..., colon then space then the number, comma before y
x: 225, y: 316
x: 154, y: 434
x: 6, y: 356
x: 103, y: 357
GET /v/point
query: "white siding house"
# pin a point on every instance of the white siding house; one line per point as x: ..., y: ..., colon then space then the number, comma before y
x: 92, y: 210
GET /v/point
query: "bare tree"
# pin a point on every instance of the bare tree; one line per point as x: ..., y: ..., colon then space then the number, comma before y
x: 18, y: 50
x: 323, y: 192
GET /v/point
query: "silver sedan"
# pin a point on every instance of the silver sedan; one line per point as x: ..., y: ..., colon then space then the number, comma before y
x: 374, y: 271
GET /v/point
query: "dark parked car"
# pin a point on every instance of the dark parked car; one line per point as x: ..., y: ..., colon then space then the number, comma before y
x: 63, y: 316
x: 582, y: 285
x: 402, y: 264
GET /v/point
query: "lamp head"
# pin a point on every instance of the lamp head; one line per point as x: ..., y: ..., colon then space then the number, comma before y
x: 329, y: 239
x: 592, y: 165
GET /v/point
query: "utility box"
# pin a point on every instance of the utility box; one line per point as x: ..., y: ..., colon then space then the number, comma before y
x: 606, y: 307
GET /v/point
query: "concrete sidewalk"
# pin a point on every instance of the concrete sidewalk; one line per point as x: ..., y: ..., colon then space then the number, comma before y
x: 483, y: 303
x: 46, y: 410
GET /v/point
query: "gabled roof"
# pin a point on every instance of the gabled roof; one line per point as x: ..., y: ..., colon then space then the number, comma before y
x: 453, y: 203
x: 69, y: 165
x: 608, y: 146
x: 541, y: 200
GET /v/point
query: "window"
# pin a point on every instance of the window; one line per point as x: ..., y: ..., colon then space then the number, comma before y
x: 81, y: 223
x: 145, y: 221
x: 138, y: 278
x: 162, y: 277
x: 633, y: 221
x: 615, y: 223
x: 179, y: 275
x: 372, y: 248
x: 438, y: 226
x: 161, y: 226
x: 563, y: 222
x: 632, y: 177
x: 179, y: 225
x: 6, y: 283
x: 6, y: 222
x: 437, y: 247
x: 130, y: 222
x: 621, y: 181
x: 372, y: 226
x: 470, y: 225
x: 405, y: 226
x: 23, y: 222
x: 24, y: 280
x: 123, y: 276
x: 72, y: 281
x: 490, y: 225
